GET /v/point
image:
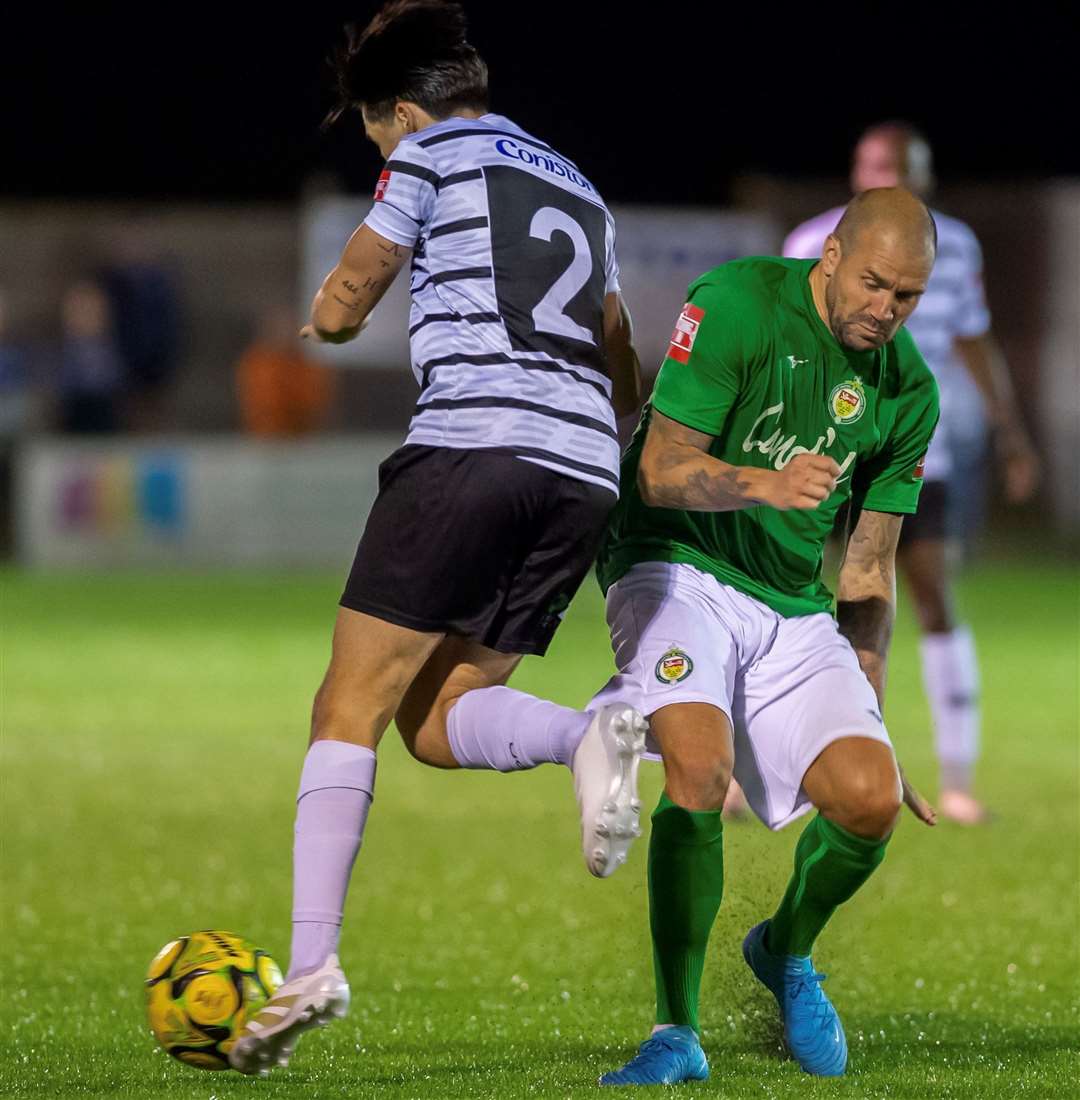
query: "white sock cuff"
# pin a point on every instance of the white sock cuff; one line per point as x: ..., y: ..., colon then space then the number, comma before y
x: 463, y: 726
x: 964, y: 641
x: 454, y: 717
x: 959, y: 639
x: 331, y: 764
x: 950, y: 662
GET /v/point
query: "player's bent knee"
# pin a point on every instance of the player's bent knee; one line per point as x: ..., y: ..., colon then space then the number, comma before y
x: 698, y: 784
x: 870, y: 802
x: 425, y: 735
x: 429, y: 745
x: 696, y: 745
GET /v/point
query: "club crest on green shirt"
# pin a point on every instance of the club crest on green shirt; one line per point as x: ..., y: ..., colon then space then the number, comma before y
x: 674, y: 666
x: 847, y: 402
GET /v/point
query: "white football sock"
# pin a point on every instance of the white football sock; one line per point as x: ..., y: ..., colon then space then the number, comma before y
x: 505, y: 730
x: 336, y: 790
x: 951, y: 680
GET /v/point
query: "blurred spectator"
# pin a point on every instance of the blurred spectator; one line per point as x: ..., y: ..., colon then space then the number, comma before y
x: 19, y: 408
x: 18, y: 399
x: 91, y: 376
x: 281, y: 392
x: 146, y: 309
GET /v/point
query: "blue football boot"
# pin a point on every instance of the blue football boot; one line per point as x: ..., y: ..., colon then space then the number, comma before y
x: 812, y: 1028
x: 672, y: 1055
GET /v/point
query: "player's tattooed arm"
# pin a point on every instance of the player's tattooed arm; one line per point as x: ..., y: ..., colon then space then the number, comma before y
x: 351, y: 291
x: 865, y: 610
x: 866, y: 593
x: 677, y: 471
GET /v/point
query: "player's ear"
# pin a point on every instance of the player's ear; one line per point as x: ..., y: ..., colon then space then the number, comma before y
x: 408, y: 116
x: 831, y: 254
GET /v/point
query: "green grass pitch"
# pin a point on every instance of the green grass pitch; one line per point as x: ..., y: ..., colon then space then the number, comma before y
x: 153, y: 729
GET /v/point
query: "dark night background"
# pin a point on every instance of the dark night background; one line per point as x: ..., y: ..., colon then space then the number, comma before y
x: 665, y: 103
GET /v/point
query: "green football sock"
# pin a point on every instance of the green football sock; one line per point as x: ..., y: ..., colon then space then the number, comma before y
x: 830, y: 865
x: 686, y: 883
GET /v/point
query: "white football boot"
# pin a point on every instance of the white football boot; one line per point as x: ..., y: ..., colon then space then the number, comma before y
x: 269, y: 1038
x: 605, y: 771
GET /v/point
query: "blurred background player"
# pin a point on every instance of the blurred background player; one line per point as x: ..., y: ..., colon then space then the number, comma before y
x: 90, y: 384
x: 488, y: 518
x: 19, y: 414
x: 952, y: 331
x: 145, y: 304
x: 281, y: 391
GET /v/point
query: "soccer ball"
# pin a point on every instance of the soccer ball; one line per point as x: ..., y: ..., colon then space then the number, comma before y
x: 199, y: 991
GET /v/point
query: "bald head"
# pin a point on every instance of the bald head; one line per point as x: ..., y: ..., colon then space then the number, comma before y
x: 892, y: 214
x: 875, y: 267
x: 892, y: 154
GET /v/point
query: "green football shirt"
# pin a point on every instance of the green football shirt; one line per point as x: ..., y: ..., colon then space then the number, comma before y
x: 752, y: 364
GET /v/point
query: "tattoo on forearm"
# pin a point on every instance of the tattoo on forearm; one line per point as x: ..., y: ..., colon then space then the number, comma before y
x: 689, y: 476
x: 698, y: 488
x: 866, y: 594
x: 866, y: 623
x: 392, y: 249
x: 872, y: 548
x: 370, y: 284
x: 370, y: 288
x: 705, y: 489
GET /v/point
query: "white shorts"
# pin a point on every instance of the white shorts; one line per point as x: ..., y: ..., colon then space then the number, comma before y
x: 789, y: 686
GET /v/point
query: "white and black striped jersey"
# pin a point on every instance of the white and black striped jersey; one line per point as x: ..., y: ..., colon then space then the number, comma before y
x: 513, y: 253
x: 954, y: 306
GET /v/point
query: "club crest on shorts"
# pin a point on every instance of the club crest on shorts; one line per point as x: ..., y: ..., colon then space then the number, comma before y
x: 847, y: 402
x: 674, y: 666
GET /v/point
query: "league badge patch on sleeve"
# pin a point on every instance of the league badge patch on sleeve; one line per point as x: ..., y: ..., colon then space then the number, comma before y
x: 674, y: 666
x: 686, y: 329
x: 920, y: 468
x: 382, y: 185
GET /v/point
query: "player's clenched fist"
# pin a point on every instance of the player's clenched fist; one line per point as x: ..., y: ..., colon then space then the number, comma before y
x: 804, y: 482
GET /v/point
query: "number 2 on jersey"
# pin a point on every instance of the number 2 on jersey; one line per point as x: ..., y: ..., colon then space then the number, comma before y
x: 548, y: 248
x: 548, y: 314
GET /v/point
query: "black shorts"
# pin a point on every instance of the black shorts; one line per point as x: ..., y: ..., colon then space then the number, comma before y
x: 931, y: 521
x: 476, y: 543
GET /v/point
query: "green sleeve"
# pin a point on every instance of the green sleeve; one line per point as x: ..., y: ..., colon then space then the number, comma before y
x: 892, y: 479
x: 702, y: 374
